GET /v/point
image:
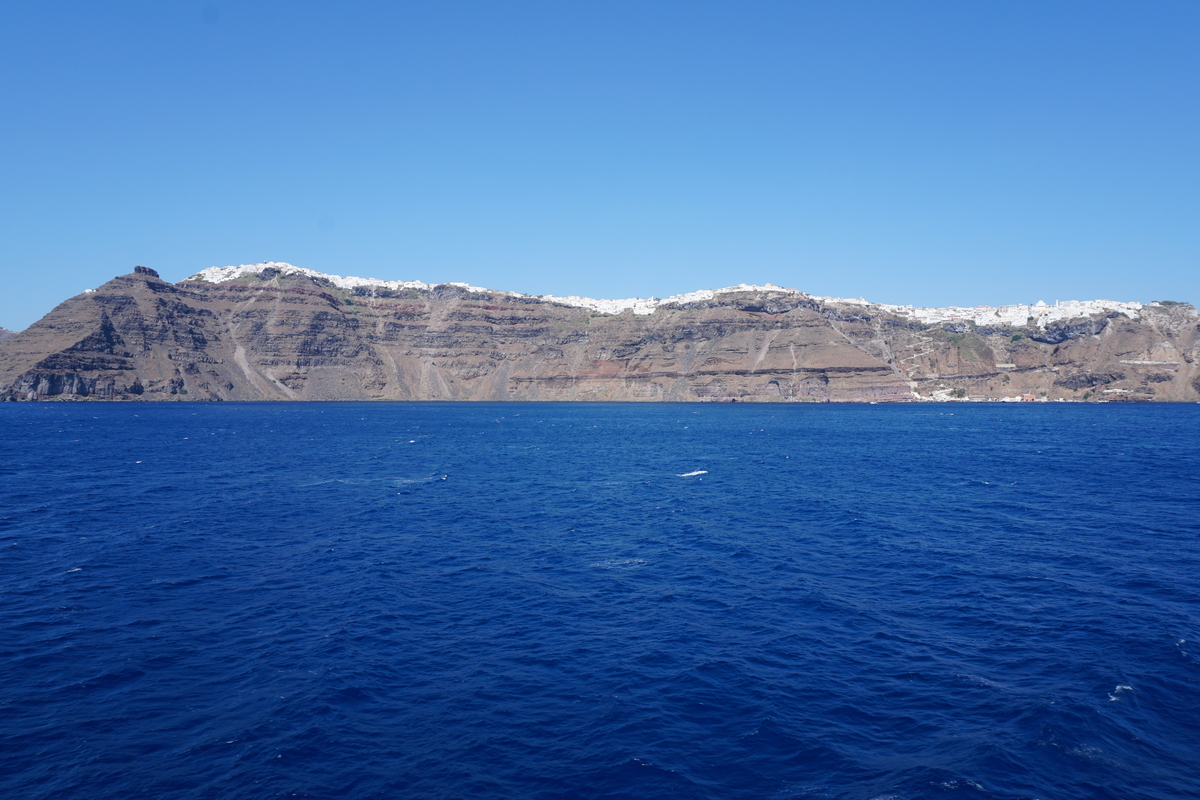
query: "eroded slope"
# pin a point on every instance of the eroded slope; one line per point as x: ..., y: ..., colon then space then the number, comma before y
x: 272, y: 334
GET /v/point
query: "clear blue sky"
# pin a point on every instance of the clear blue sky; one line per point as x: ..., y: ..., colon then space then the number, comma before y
x: 932, y: 153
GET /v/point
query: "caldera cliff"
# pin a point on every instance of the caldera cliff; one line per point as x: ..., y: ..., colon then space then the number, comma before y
x: 276, y: 332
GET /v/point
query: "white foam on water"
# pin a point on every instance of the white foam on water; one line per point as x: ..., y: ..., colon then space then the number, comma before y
x: 617, y: 563
x: 428, y: 479
x: 959, y: 783
x: 978, y: 681
x: 1120, y: 688
x: 403, y: 482
x: 691, y: 474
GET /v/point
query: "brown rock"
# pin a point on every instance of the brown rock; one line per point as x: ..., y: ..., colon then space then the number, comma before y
x: 277, y: 336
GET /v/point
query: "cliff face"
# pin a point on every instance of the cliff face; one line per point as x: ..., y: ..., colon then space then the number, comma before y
x: 271, y: 335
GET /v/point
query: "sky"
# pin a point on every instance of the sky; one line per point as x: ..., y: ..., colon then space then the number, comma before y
x: 927, y: 153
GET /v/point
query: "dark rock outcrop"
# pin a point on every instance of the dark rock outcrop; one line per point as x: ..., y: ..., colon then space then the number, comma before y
x: 1086, y: 380
x: 1058, y: 332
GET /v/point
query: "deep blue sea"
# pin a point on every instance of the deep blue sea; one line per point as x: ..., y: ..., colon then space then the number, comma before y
x: 425, y: 600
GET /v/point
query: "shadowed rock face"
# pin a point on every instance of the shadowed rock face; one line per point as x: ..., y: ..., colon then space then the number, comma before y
x: 275, y: 336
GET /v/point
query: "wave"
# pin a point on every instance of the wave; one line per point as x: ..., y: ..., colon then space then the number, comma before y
x: 389, y: 480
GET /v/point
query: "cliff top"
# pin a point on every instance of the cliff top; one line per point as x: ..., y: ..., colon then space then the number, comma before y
x: 637, y: 304
x: 1040, y: 313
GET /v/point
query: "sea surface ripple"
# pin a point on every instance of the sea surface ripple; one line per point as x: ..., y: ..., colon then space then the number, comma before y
x: 424, y: 600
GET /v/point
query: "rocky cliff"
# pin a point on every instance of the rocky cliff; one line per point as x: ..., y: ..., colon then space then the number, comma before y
x: 274, y: 332
x: 6, y: 333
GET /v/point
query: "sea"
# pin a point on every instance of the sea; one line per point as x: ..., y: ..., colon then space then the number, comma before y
x: 474, y: 600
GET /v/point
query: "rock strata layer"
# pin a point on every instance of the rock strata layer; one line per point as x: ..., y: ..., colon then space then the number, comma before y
x: 275, y: 334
